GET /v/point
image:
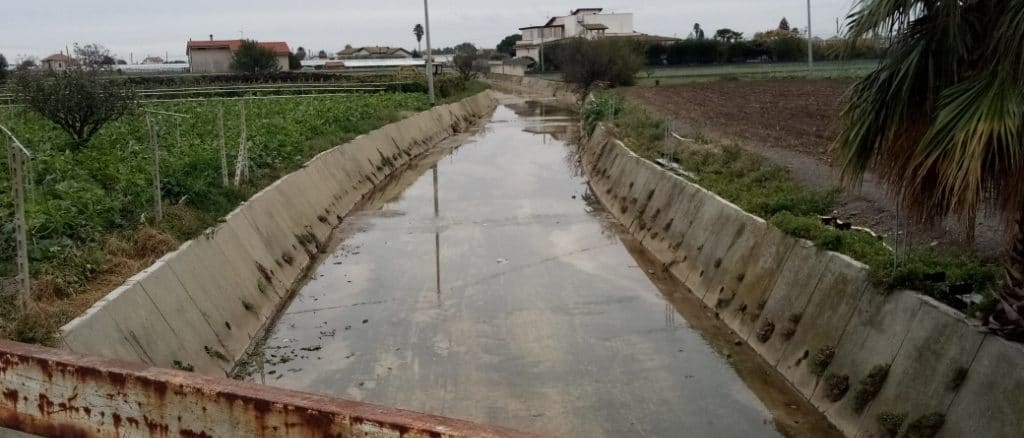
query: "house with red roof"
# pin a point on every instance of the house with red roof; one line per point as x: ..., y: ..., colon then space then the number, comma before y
x: 57, y: 62
x: 214, y: 56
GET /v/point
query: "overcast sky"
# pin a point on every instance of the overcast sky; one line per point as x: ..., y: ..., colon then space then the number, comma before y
x: 41, y: 27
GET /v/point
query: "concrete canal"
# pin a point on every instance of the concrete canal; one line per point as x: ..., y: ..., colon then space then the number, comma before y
x: 486, y: 283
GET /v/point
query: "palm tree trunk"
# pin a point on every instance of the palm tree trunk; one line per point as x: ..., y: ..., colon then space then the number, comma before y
x: 1008, y: 318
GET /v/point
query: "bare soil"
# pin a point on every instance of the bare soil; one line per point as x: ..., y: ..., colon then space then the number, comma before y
x: 793, y: 123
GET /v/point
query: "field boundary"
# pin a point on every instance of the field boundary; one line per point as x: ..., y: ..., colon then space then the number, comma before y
x: 813, y: 314
x: 200, y: 307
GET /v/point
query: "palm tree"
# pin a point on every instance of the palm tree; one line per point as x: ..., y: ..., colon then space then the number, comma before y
x: 698, y: 33
x: 418, y: 31
x: 941, y: 119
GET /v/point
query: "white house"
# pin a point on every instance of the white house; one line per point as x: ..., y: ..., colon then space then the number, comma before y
x: 214, y: 56
x: 583, y: 22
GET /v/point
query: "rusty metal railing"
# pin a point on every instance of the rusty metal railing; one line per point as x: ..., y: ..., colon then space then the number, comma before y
x: 57, y: 393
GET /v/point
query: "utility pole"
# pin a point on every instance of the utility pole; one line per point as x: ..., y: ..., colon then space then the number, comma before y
x: 430, y: 56
x: 810, y: 42
x: 541, y: 54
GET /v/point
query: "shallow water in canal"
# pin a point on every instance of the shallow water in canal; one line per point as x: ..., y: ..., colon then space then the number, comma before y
x: 484, y: 283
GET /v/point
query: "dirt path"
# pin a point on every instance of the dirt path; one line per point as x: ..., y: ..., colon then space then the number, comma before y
x: 792, y: 123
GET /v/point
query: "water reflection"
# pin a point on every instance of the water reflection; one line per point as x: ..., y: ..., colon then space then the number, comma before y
x: 541, y: 320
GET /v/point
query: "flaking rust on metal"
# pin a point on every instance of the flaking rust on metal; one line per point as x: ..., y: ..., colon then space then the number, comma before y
x: 57, y: 393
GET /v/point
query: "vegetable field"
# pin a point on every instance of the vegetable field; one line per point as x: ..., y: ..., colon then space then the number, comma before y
x: 79, y: 203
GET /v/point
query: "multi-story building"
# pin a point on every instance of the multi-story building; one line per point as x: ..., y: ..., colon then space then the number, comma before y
x: 583, y: 22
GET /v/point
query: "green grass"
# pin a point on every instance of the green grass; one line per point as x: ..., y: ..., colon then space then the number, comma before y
x: 470, y: 88
x: 769, y: 191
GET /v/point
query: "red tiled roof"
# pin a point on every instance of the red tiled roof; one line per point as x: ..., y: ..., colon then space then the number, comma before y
x: 58, y: 57
x: 279, y: 47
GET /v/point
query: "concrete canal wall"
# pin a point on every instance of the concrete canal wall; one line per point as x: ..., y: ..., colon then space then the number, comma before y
x: 201, y: 306
x: 813, y: 314
x: 535, y: 87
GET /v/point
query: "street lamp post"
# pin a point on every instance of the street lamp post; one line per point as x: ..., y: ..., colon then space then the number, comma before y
x: 430, y: 56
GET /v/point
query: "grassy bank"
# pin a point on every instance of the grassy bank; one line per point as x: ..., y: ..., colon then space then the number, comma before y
x: 770, y: 192
x: 90, y: 213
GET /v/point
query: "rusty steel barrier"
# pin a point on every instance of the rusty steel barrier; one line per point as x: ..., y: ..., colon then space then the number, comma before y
x: 57, y: 393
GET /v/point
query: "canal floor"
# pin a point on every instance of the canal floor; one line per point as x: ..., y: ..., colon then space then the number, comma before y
x: 485, y: 283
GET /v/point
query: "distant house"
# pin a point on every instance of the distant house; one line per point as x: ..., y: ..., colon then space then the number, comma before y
x: 584, y: 22
x: 214, y: 56
x: 150, y: 60
x: 57, y: 62
x: 373, y: 52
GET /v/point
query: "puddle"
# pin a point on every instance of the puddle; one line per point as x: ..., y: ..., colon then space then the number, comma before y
x: 487, y: 284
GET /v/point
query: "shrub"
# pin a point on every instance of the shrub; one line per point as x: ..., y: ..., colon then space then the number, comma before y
x: 76, y: 100
x: 586, y: 63
x: 255, y: 59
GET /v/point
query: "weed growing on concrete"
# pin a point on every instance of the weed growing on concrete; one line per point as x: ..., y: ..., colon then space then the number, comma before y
x: 764, y: 333
x: 605, y: 106
x: 957, y: 379
x: 836, y: 386
x: 925, y: 426
x: 822, y: 359
x: 770, y: 192
x: 179, y: 365
x: 216, y: 354
x: 869, y: 387
x: 792, y: 322
x: 964, y: 273
x: 891, y: 422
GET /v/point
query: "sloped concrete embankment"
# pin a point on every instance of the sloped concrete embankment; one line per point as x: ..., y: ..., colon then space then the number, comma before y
x: 534, y: 87
x: 202, y: 305
x: 813, y: 314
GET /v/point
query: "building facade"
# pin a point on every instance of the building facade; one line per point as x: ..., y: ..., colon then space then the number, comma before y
x: 57, y: 62
x: 374, y: 52
x: 585, y: 22
x: 214, y: 56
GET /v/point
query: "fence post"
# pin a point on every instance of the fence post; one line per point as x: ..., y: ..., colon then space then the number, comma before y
x: 242, y: 163
x: 157, y: 197
x: 223, y: 150
x: 16, y: 155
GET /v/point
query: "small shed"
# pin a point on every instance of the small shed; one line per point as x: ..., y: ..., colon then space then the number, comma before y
x: 57, y: 62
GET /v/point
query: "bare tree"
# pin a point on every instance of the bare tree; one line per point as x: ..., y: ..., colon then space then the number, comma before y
x: 93, y: 56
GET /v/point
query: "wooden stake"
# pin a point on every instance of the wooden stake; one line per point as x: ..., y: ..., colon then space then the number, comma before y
x: 226, y: 180
x: 16, y: 163
x: 158, y: 207
x: 242, y: 163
